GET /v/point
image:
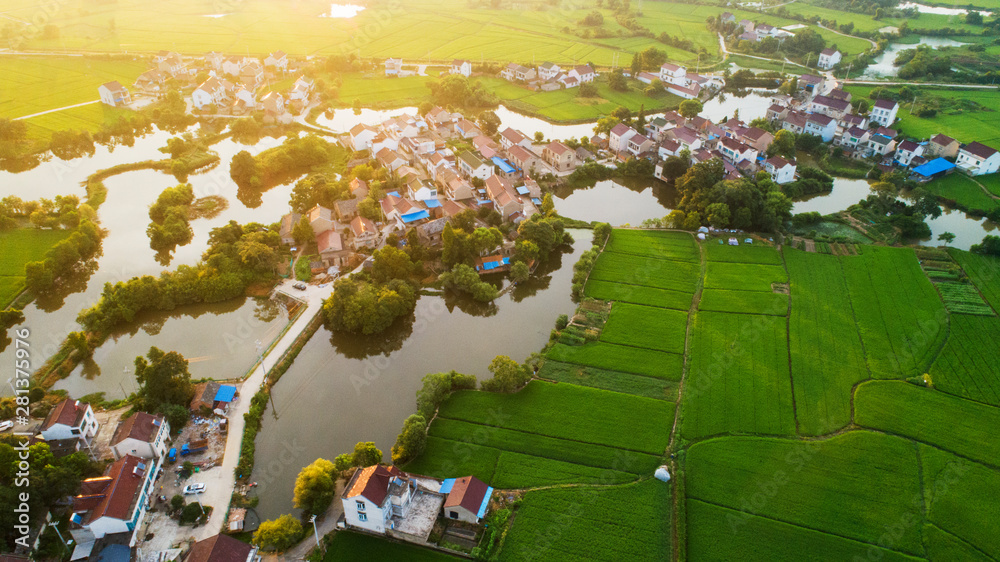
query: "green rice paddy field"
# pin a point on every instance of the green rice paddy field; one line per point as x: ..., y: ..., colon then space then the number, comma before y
x: 18, y: 247
x: 765, y: 381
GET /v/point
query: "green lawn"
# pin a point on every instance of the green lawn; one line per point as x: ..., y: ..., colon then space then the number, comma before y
x: 346, y: 546
x: 18, y: 247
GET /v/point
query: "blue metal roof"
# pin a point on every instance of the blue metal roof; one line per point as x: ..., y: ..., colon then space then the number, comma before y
x: 415, y: 216
x: 483, y: 201
x: 522, y: 190
x: 393, y: 193
x: 935, y: 166
x: 446, y: 485
x: 536, y: 201
x: 486, y: 502
x: 432, y: 203
x: 226, y: 393
x: 503, y: 165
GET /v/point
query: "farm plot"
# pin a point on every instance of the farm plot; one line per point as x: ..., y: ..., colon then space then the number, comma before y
x: 18, y: 247
x: 646, y: 362
x: 666, y: 245
x: 746, y: 302
x: 942, y: 545
x: 604, y: 379
x: 853, y: 485
x: 961, y: 499
x: 984, y: 271
x: 931, y: 417
x: 969, y: 364
x: 650, y: 327
x: 647, y: 271
x: 899, y: 315
x: 638, y: 294
x: 445, y: 457
x: 570, y: 412
x: 743, y: 276
x: 738, y: 381
x: 724, y: 534
x: 963, y: 298
x: 345, y: 546
x: 747, y: 253
x: 826, y: 355
x: 628, y: 522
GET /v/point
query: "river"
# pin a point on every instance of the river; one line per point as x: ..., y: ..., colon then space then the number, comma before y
x: 343, y: 389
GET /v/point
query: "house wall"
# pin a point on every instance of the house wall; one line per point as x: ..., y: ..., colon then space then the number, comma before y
x: 459, y: 513
x: 370, y: 517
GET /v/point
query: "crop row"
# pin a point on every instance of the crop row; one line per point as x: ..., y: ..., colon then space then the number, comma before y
x: 747, y: 302
x: 758, y: 253
x: 639, y: 294
x: 605, y: 379
x: 984, y: 271
x: 961, y: 499
x: 646, y: 362
x: 743, y: 276
x: 969, y: 364
x: 673, y: 245
x: 651, y: 272
x: 650, y: 327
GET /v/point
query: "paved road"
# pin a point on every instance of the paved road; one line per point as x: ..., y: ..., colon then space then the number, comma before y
x: 220, y: 480
x: 324, y: 526
x: 57, y: 109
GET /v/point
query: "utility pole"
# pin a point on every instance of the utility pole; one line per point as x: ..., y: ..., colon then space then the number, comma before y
x: 312, y: 519
x: 270, y: 393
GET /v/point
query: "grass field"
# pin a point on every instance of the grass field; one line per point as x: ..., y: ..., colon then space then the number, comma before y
x: 18, y: 247
x: 743, y: 276
x: 969, y: 364
x: 566, y: 105
x: 40, y: 83
x: 346, y: 546
x: 738, y: 379
x: 901, y: 319
x: 963, y: 191
x: 923, y: 414
x: 745, y: 253
x: 629, y: 522
x: 646, y: 271
x: 851, y: 486
x: 649, y: 327
x: 666, y: 245
x: 826, y: 354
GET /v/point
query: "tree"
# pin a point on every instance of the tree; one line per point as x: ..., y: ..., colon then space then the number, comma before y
x: 463, y: 278
x: 690, y: 108
x: 302, y: 232
x: 548, y: 205
x: 605, y: 124
x: 315, y: 487
x: 946, y: 237
x: 488, y: 122
x: 718, y: 215
x: 279, y: 534
x: 244, y: 170
x: 177, y: 502
x: 636, y: 66
x: 191, y: 513
x: 485, y: 240
x: 519, y: 272
x: 508, y: 375
x: 675, y: 219
x: 782, y: 145
x: 390, y: 263
x: 973, y: 17
x: 411, y: 440
x: 990, y: 246
x: 693, y: 221
x: 617, y: 82
x: 366, y: 454
x: 163, y: 379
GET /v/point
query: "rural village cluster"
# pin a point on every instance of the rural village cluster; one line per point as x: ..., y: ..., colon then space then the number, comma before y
x: 861, y: 368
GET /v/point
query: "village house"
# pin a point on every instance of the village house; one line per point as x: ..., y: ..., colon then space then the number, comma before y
x: 942, y: 146
x: 883, y: 112
x: 977, y: 159
x: 639, y: 144
x: 515, y: 72
x: 584, y: 73
x: 462, y: 67
x: 113, y: 503
x: 345, y: 209
x: 468, y: 499
x: 252, y: 75
x: 822, y: 126
x: 277, y: 60
x: 243, y: 102
x: 668, y: 148
x: 781, y: 171
x: 211, y: 92
x: 673, y: 74
x: 359, y: 188
x: 688, y: 138
x: 286, y: 226
x: 687, y: 92
x: 222, y: 548
x: 273, y: 106
x: 811, y: 83
x: 757, y: 138
x: 776, y: 112
x: 559, y: 156
x: 735, y: 151
x: 421, y: 190
x: 467, y: 129
x: 362, y: 136
x: 510, y: 137
x: 850, y: 120
x: 727, y: 17
x: 455, y: 188
x: 232, y: 66
x: 829, y: 58
x: 301, y: 89
x: 618, y: 137
x: 430, y: 233
x: 647, y: 77
x: 656, y: 126
x: 142, y: 435
x: 393, y: 67
x: 114, y: 94
x: 503, y: 196
x: 568, y: 81
x: 320, y: 219
x: 389, y: 159
x: 72, y: 422
x: 906, y: 151
x: 330, y: 246
x: 150, y: 82
x: 385, y: 500
x: 213, y: 61
x: 364, y: 234
x: 854, y: 138
x: 472, y: 166
x: 523, y: 158
x: 880, y: 145
x: 829, y: 106
x: 172, y: 64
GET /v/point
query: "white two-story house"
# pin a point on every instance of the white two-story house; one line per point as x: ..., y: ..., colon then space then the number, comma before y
x: 781, y: 171
x: 142, y: 435
x: 883, y: 112
x: 618, y: 137
x: 374, y: 495
x: 113, y: 503
x: 829, y: 58
x: 977, y: 159
x: 70, y: 420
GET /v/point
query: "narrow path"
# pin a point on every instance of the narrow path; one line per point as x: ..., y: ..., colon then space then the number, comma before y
x: 57, y: 109
x: 870, y: 42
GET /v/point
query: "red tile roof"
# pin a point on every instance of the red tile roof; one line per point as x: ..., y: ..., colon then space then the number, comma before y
x: 372, y: 483
x: 67, y: 412
x: 140, y: 426
x: 220, y: 548
x: 979, y: 149
x: 114, y: 494
x: 467, y: 492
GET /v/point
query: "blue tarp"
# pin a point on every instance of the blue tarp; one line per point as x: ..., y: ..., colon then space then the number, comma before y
x: 522, y: 190
x: 415, y: 216
x: 503, y: 165
x: 432, y: 203
x: 536, y: 201
x: 483, y: 201
x: 226, y: 393
x: 935, y: 166
x: 393, y: 193
x: 446, y: 485
x: 486, y: 502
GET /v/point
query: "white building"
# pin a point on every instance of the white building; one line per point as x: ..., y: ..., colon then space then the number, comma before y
x: 618, y: 137
x: 376, y: 493
x: 673, y: 74
x: 473, y: 166
x: 393, y: 67
x: 977, y: 159
x: 114, y: 94
x: 301, y: 89
x: 462, y: 67
x: 548, y: 70
x: 142, y: 435
x: 584, y: 73
x: 884, y: 112
x: 829, y: 58
x: 70, y: 419
x: 209, y: 92
x: 113, y: 503
x: 822, y: 126
x: 781, y: 171
x: 906, y: 151
x: 362, y: 136
x: 277, y: 59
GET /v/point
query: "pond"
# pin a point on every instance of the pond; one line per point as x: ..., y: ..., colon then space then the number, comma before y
x: 846, y: 192
x: 883, y: 65
x: 968, y: 230
x: 751, y: 105
x: 616, y: 202
x: 939, y: 10
x: 342, y: 389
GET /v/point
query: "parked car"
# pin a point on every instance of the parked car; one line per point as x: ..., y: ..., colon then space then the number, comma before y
x: 5, y: 425
x: 300, y: 286
x: 194, y: 489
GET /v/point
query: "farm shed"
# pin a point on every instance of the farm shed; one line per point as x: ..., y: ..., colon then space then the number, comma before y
x: 468, y: 498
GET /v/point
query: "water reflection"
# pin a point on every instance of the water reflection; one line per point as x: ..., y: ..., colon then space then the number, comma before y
x: 939, y: 10
x: 617, y: 202
x: 846, y: 192
x: 883, y: 65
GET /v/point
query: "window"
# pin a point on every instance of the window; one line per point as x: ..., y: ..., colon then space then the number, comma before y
x: 361, y: 505
x: 75, y: 431
x: 362, y: 517
x: 453, y: 514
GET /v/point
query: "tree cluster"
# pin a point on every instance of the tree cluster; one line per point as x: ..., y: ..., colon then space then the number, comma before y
x: 744, y: 203
x: 464, y: 278
x: 369, y: 306
x: 169, y: 215
x: 508, y: 375
x: 457, y: 91
x: 295, y: 155
x: 164, y: 381
x: 64, y: 259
